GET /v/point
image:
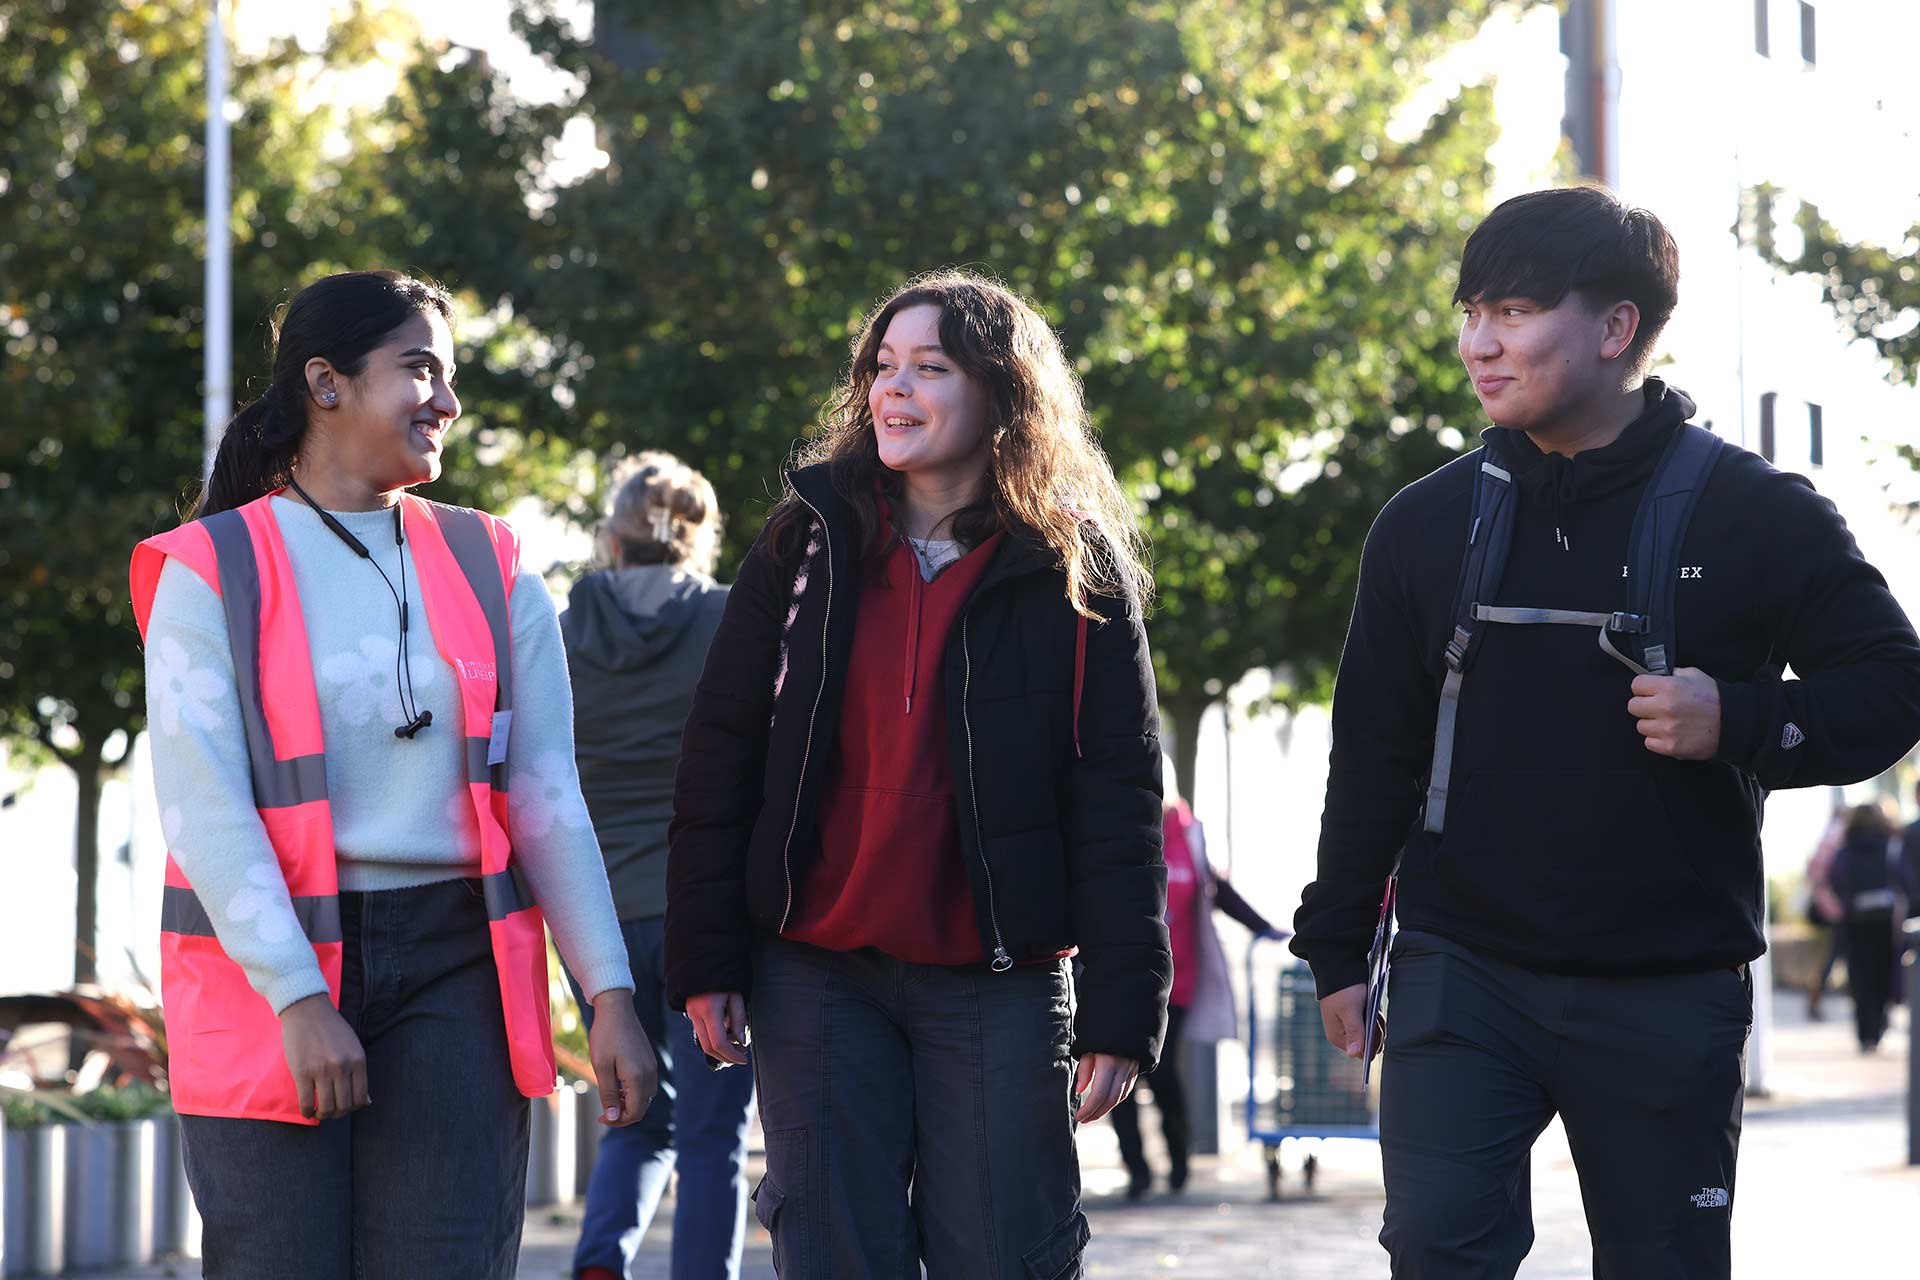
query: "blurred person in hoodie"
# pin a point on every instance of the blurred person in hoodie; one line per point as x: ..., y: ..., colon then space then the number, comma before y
x: 636, y: 637
x: 1864, y: 881
x: 1202, y: 1006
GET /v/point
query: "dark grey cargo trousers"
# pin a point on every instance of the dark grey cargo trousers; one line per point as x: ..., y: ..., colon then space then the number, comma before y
x: 915, y: 1114
x: 1645, y: 1074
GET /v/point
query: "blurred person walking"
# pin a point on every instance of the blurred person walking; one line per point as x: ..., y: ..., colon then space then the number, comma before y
x: 636, y: 636
x: 1910, y: 860
x: 1865, y: 879
x: 353, y: 957
x: 1824, y: 911
x: 1201, y: 1007
x: 1581, y: 890
x: 921, y: 771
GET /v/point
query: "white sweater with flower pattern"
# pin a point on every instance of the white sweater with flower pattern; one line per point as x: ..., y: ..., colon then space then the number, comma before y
x: 401, y: 809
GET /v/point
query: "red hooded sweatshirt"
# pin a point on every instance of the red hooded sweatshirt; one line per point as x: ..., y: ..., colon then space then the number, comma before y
x: 892, y: 874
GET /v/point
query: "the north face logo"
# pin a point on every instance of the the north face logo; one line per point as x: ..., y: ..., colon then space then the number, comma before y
x: 1791, y: 737
x: 1711, y: 1198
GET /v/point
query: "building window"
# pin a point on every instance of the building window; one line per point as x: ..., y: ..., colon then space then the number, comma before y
x: 1766, y: 425
x: 1806, y: 32
x: 1816, y: 446
x: 1761, y: 45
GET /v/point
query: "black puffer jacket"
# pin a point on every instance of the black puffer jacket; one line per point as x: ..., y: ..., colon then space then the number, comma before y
x: 1063, y: 845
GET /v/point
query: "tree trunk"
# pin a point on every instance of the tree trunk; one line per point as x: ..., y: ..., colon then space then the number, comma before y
x: 1183, y: 712
x: 87, y: 771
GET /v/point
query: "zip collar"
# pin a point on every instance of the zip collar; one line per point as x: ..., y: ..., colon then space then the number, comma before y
x: 1019, y: 553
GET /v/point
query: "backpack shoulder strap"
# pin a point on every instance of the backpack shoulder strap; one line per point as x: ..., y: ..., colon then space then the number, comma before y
x: 1489, y: 536
x: 1659, y: 527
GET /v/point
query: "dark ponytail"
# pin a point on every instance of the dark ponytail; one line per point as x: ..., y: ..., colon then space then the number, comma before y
x: 339, y: 318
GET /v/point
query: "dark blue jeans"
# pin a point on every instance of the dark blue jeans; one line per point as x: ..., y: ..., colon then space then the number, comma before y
x: 697, y: 1119
x: 915, y: 1114
x: 430, y: 1180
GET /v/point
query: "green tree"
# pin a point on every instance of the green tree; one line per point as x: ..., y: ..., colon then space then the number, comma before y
x: 1873, y: 289
x: 101, y: 226
x: 1223, y: 206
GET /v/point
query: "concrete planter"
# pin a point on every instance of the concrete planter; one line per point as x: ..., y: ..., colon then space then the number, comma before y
x: 176, y: 1222
x: 563, y: 1144
x: 84, y: 1198
x: 36, y: 1201
x: 550, y: 1150
x: 589, y: 1131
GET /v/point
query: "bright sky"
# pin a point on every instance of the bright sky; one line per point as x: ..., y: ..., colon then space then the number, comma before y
x: 481, y: 24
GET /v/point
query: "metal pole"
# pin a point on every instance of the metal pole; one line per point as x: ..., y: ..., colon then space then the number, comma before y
x: 1911, y: 961
x: 217, y: 335
x: 1226, y: 736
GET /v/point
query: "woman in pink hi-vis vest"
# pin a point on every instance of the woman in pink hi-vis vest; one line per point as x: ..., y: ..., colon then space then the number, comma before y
x: 362, y: 742
x: 1201, y: 1007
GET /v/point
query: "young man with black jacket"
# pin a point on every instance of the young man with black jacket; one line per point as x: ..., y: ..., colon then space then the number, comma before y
x: 1575, y: 928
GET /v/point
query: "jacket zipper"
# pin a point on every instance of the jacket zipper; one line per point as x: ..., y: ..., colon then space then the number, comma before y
x: 786, y: 852
x: 1001, y: 960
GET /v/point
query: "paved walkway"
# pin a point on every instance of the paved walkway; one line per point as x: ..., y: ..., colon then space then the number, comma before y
x: 1824, y: 1190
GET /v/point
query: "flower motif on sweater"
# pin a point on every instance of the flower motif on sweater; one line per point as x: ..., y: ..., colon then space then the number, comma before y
x: 360, y: 683
x: 546, y: 794
x: 179, y: 691
x: 258, y: 901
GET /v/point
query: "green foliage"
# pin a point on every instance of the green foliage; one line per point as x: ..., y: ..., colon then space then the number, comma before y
x: 32, y: 1108
x: 1873, y: 289
x: 102, y: 116
x: 1250, y: 261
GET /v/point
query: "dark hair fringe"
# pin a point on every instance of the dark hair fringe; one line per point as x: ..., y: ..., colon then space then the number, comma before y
x: 1584, y: 240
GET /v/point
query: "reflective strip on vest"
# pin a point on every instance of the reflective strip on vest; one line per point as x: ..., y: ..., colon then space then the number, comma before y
x: 181, y: 912
x: 277, y: 784
x: 472, y: 550
x: 506, y: 892
x: 479, y: 771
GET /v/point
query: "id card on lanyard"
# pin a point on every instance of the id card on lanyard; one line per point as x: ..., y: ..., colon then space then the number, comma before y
x: 1379, y: 960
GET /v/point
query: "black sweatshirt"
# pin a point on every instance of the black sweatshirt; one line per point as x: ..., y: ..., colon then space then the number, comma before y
x: 1569, y: 847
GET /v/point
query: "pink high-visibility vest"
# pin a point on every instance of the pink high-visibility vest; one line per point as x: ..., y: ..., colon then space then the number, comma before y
x: 223, y: 1038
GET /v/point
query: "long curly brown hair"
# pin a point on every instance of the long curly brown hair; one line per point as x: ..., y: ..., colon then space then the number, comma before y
x: 1047, y: 481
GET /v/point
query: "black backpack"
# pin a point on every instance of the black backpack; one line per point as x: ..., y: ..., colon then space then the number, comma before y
x: 1645, y: 628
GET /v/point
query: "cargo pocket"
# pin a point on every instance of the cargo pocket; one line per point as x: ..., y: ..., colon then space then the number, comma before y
x: 786, y: 1176
x: 1058, y: 1256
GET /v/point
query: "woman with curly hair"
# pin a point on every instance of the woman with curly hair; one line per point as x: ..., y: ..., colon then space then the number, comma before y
x: 921, y: 773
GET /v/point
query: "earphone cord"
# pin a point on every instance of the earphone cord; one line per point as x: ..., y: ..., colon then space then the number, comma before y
x: 402, y: 660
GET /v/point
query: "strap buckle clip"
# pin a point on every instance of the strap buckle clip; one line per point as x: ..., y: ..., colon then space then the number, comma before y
x: 1628, y: 624
x: 1457, y: 647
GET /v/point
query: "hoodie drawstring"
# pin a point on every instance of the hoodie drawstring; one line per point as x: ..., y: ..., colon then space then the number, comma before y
x: 913, y: 621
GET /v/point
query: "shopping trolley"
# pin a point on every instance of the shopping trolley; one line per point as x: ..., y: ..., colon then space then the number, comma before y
x: 1298, y: 1085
